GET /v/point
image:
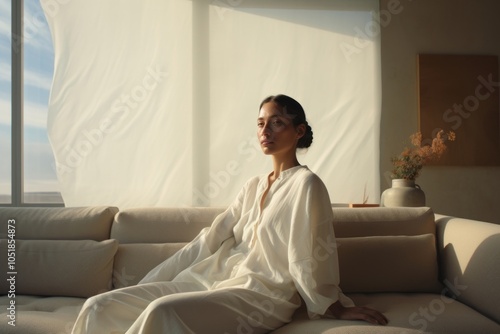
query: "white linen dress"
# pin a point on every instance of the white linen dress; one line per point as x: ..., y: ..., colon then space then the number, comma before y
x: 246, y: 273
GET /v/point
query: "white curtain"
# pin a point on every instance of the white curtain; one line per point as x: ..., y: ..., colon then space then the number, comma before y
x: 154, y: 102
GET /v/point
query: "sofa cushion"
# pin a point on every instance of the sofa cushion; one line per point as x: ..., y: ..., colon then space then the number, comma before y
x: 470, y: 255
x: 36, y: 315
x: 388, y: 264
x: 75, y: 268
x: 361, y: 222
x: 161, y: 225
x: 134, y: 261
x: 93, y: 223
x: 407, y: 313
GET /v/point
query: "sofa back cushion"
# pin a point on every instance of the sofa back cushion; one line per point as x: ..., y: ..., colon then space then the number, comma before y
x: 73, y: 268
x: 365, y: 222
x: 388, y: 264
x: 380, y: 249
x: 92, y: 223
x: 150, y: 235
x: 161, y: 225
x: 58, y: 251
x: 387, y: 249
x: 134, y: 261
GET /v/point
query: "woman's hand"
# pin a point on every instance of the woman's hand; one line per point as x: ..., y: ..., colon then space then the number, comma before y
x: 358, y: 313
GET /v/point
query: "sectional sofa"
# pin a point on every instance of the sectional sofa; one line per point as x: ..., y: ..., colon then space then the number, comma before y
x: 427, y: 273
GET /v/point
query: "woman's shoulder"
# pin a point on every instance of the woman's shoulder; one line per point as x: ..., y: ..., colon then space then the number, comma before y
x: 309, y: 180
x: 308, y: 175
x: 254, y: 181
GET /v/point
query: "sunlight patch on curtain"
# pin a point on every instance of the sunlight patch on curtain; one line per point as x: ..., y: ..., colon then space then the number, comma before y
x: 154, y: 103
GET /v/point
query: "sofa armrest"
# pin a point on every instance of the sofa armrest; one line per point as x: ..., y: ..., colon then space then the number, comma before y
x: 469, y: 254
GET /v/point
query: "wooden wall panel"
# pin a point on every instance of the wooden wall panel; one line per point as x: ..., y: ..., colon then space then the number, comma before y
x: 461, y: 93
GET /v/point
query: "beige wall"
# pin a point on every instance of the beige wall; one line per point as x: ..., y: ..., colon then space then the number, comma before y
x: 435, y: 26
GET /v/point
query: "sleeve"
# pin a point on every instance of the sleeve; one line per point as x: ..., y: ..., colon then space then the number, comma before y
x: 206, y: 243
x: 313, y: 259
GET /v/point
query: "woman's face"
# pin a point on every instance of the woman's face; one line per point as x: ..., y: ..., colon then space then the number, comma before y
x: 276, y: 132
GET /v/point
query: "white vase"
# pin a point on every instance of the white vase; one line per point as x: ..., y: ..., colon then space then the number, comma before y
x: 403, y: 193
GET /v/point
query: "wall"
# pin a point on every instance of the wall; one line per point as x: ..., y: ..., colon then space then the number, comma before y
x: 410, y: 27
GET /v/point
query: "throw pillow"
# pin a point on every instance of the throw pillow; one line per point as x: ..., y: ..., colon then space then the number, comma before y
x: 74, y: 268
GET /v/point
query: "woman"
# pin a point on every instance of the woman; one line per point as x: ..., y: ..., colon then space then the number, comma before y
x: 247, y: 272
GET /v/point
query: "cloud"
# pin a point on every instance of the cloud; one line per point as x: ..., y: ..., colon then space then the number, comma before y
x: 35, y: 115
x: 4, y: 26
x: 5, y: 112
x: 5, y: 164
x: 37, y: 80
x: 36, y: 30
x: 5, y: 13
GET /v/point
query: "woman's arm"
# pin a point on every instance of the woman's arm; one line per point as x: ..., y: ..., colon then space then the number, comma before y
x: 206, y: 243
x: 319, y: 283
x: 313, y: 248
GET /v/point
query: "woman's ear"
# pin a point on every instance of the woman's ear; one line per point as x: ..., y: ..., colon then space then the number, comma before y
x: 301, y: 130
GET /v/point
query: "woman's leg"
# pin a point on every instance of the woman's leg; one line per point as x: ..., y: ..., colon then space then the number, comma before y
x: 115, y: 311
x: 231, y: 310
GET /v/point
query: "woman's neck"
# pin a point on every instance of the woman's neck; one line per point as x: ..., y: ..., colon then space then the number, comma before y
x: 280, y: 165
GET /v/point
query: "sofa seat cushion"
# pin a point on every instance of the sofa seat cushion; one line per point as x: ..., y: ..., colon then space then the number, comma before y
x: 72, y: 268
x: 407, y: 313
x: 37, y: 315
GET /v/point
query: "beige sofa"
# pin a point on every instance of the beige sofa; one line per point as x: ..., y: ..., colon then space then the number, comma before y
x: 425, y: 272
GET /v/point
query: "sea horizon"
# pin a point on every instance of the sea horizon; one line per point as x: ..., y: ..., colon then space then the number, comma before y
x: 42, y: 197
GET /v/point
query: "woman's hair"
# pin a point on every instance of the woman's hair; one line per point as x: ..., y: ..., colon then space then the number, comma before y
x: 293, y: 108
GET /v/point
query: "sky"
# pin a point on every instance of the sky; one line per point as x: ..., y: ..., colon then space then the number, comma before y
x: 38, y: 68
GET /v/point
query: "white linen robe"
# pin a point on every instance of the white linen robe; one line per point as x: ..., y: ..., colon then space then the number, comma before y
x: 244, y: 273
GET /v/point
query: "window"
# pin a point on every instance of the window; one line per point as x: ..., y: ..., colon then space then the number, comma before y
x: 34, y: 179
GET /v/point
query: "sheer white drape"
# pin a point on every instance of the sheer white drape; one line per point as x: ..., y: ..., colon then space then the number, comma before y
x: 154, y: 102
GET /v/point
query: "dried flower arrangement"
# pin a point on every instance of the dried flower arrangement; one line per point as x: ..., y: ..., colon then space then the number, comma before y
x: 409, y: 163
